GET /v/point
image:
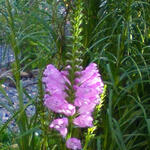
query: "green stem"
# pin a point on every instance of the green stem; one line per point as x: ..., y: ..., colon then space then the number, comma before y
x: 22, y: 119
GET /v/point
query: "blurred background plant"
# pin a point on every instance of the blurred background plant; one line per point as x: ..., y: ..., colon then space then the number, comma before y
x: 116, y: 35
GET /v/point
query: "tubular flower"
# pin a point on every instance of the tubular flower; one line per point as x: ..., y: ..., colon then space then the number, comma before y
x: 83, y: 121
x: 88, y: 88
x: 60, y: 125
x: 74, y: 144
x: 55, y: 86
x: 54, y: 81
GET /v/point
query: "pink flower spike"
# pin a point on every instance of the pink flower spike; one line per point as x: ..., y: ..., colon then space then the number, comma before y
x: 74, y: 144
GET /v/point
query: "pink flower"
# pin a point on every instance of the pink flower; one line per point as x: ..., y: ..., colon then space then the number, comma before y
x: 54, y: 81
x: 69, y: 109
x: 87, y: 109
x: 83, y: 121
x: 54, y: 103
x: 88, y: 88
x: 85, y: 95
x: 74, y: 144
x: 60, y: 125
x: 51, y: 73
x: 55, y: 86
x: 88, y: 73
x: 59, y: 105
x: 90, y: 77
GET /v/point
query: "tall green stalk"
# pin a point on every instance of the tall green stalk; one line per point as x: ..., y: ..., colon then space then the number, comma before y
x: 74, y: 57
x: 22, y: 119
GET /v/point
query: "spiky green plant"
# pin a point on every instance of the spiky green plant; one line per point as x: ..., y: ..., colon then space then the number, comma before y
x: 119, y: 44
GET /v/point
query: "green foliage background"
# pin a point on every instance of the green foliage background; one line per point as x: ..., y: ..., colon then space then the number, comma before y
x: 115, y: 34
